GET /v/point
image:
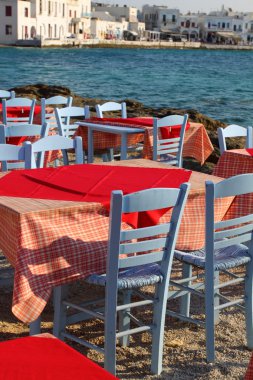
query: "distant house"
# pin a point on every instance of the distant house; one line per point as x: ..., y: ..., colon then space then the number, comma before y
x: 23, y: 20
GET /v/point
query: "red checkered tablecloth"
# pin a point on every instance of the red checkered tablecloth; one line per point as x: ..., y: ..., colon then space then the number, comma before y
x: 196, y: 142
x: 234, y: 162
x: 56, y: 242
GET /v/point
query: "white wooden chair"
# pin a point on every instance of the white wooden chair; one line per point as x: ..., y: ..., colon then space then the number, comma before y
x: 50, y: 143
x: 111, y: 106
x: 7, y: 94
x: 147, y: 259
x: 49, y: 117
x: 234, y: 130
x: 228, y: 245
x: 170, y: 149
x: 18, y: 130
x: 18, y: 102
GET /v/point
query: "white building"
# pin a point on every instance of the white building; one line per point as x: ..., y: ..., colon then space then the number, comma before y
x: 160, y: 18
x: 43, y: 19
x: 129, y: 13
x: 110, y: 22
x: 189, y: 26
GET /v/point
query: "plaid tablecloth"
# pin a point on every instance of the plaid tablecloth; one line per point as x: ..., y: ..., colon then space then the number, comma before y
x: 233, y: 162
x: 56, y: 242
x: 196, y: 142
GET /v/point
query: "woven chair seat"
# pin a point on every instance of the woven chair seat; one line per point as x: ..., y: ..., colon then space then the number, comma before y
x: 137, y: 277
x: 224, y: 258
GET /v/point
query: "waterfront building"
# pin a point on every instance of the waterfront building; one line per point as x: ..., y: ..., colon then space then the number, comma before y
x: 37, y: 20
x: 189, y: 26
x: 129, y: 13
x: 111, y: 22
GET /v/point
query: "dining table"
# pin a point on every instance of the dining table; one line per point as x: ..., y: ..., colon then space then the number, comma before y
x: 103, y: 133
x: 235, y: 162
x: 44, y: 357
x: 54, y: 221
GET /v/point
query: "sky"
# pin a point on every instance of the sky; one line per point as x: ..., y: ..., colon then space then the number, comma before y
x: 192, y: 5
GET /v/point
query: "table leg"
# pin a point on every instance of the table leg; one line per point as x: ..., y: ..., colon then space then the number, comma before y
x: 123, y: 151
x: 90, y: 146
x: 35, y: 326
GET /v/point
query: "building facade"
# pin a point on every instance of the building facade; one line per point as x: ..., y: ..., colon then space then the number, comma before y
x: 43, y: 19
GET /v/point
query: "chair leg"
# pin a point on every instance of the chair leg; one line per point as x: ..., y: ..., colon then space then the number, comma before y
x: 34, y: 327
x: 249, y: 304
x: 110, y: 330
x: 124, y: 319
x: 209, y: 316
x: 60, y: 311
x: 185, y: 301
x: 158, y: 330
x: 109, y: 156
x: 216, y: 297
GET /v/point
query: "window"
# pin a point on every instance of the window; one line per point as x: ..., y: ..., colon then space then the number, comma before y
x: 75, y: 14
x: 70, y: 13
x: 234, y: 28
x: 49, y: 8
x: 193, y: 24
x: 63, y: 10
x: 26, y: 12
x: 8, y: 11
x: 40, y: 6
x: 246, y: 26
x: 8, y: 29
x: 173, y: 18
x: 187, y: 24
x: 182, y: 23
x: 164, y: 18
x: 228, y: 25
x: 218, y: 24
x: 223, y: 25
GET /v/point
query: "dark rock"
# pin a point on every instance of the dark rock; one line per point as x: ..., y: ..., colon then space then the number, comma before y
x: 134, y: 109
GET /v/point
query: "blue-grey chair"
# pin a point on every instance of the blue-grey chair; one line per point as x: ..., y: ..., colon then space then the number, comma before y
x: 49, y: 143
x: 224, y: 251
x: 18, y: 130
x: 136, y: 258
x: 4, y: 94
x: 49, y: 117
x: 18, y: 102
x: 9, y: 152
x: 111, y: 106
x: 64, y: 118
x: 169, y: 150
x: 234, y: 130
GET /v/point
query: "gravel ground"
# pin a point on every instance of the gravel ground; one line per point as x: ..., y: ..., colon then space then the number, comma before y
x: 184, y: 343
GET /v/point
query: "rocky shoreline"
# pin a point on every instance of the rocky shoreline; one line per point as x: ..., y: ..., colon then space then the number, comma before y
x: 134, y: 109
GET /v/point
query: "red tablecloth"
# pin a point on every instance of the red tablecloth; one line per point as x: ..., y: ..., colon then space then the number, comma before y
x: 21, y: 111
x: 89, y: 183
x: 166, y: 132
x: 250, y: 151
x: 196, y: 142
x: 42, y: 358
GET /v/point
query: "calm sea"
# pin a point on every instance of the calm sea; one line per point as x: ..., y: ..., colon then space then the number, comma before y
x: 216, y: 83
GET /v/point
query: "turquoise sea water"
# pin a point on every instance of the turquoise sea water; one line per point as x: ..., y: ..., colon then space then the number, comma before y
x: 216, y: 83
